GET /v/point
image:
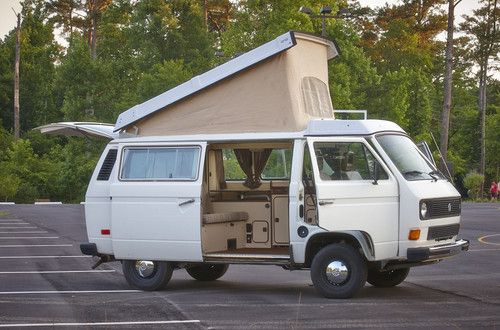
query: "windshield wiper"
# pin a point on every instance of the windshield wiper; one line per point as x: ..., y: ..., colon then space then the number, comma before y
x: 414, y: 172
x: 435, y: 175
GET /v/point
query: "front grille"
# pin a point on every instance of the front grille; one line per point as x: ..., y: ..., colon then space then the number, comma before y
x: 443, y: 232
x: 442, y: 208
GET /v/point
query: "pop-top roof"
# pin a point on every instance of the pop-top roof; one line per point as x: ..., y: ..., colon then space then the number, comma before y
x: 243, y: 62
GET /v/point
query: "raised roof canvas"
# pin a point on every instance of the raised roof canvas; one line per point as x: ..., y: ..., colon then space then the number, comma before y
x: 256, y: 92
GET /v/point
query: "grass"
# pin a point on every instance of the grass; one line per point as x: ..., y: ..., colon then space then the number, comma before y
x: 3, y: 214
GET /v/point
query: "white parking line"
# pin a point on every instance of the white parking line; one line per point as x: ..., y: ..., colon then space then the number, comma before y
x: 42, y: 257
x: 35, y: 245
x: 67, y: 292
x: 58, y: 271
x: 91, y: 324
x: 23, y: 232
x: 14, y: 223
x: 37, y: 237
x: 479, y: 250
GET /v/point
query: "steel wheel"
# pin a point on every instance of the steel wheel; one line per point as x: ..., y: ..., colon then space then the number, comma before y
x: 147, y: 275
x: 338, y: 271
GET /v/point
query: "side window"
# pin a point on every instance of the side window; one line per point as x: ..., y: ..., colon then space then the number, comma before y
x: 160, y: 163
x: 346, y: 161
x: 279, y: 165
x: 232, y: 170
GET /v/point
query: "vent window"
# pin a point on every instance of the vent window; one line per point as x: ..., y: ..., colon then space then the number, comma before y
x: 316, y: 98
x: 107, y: 165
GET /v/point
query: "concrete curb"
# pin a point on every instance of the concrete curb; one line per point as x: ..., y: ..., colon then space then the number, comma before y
x: 48, y: 203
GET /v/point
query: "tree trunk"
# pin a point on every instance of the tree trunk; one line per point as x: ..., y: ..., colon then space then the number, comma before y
x: 16, y: 79
x: 93, y: 35
x: 205, y: 13
x: 483, y: 71
x: 448, y: 82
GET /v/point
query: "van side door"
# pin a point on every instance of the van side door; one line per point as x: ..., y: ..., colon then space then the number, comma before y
x: 355, y: 191
x: 156, y: 202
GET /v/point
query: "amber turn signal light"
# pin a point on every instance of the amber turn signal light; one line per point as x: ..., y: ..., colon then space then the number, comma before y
x: 414, y: 234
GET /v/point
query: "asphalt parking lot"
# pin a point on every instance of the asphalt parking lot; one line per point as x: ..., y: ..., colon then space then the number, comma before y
x: 45, y: 282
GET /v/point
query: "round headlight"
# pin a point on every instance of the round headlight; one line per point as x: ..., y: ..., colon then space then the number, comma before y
x: 423, y: 210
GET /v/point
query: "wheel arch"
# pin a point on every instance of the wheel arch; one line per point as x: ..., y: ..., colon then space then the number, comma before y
x: 356, y: 238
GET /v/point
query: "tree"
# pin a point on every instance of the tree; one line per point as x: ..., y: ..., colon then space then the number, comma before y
x: 258, y: 21
x: 353, y: 79
x: 37, y: 70
x: 445, y: 115
x: 406, y: 34
x: 65, y: 14
x: 484, y: 33
x: 94, y: 10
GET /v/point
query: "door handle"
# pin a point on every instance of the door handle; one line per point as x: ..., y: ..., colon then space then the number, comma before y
x: 186, y: 202
x: 325, y: 202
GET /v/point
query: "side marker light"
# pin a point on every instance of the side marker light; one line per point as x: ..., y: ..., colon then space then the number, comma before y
x: 414, y: 234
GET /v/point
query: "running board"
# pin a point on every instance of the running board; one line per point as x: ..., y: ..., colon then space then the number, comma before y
x: 245, y: 258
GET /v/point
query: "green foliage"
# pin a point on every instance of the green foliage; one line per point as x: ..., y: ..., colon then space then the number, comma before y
x: 74, y: 163
x: 353, y: 76
x: 9, y: 184
x: 162, y: 77
x: 474, y: 181
x: 258, y: 21
x: 390, y: 64
x: 27, y: 175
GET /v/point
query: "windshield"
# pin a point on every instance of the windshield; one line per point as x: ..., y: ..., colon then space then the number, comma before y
x: 404, y: 154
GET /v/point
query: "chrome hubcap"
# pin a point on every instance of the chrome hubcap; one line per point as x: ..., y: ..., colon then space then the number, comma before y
x: 145, y: 268
x: 337, y: 272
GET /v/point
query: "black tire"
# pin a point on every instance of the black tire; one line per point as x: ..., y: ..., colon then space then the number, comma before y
x: 207, y: 272
x: 347, y: 276
x: 151, y: 278
x: 388, y: 278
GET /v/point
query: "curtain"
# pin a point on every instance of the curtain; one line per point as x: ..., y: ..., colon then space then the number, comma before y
x: 219, y: 169
x: 252, y: 164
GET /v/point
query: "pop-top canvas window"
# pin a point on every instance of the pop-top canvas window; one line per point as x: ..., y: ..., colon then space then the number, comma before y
x: 160, y: 163
x: 317, y: 100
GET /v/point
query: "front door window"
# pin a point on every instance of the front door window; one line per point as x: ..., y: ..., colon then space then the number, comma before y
x: 346, y: 161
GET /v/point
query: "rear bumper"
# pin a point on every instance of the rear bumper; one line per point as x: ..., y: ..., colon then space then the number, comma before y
x: 437, y: 252
x: 89, y: 249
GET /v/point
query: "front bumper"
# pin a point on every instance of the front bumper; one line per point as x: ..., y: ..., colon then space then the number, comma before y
x: 437, y: 252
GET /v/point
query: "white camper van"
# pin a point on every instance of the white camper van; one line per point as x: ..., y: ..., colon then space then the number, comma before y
x: 245, y: 164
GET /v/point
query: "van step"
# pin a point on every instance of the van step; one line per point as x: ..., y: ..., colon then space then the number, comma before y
x: 233, y: 257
